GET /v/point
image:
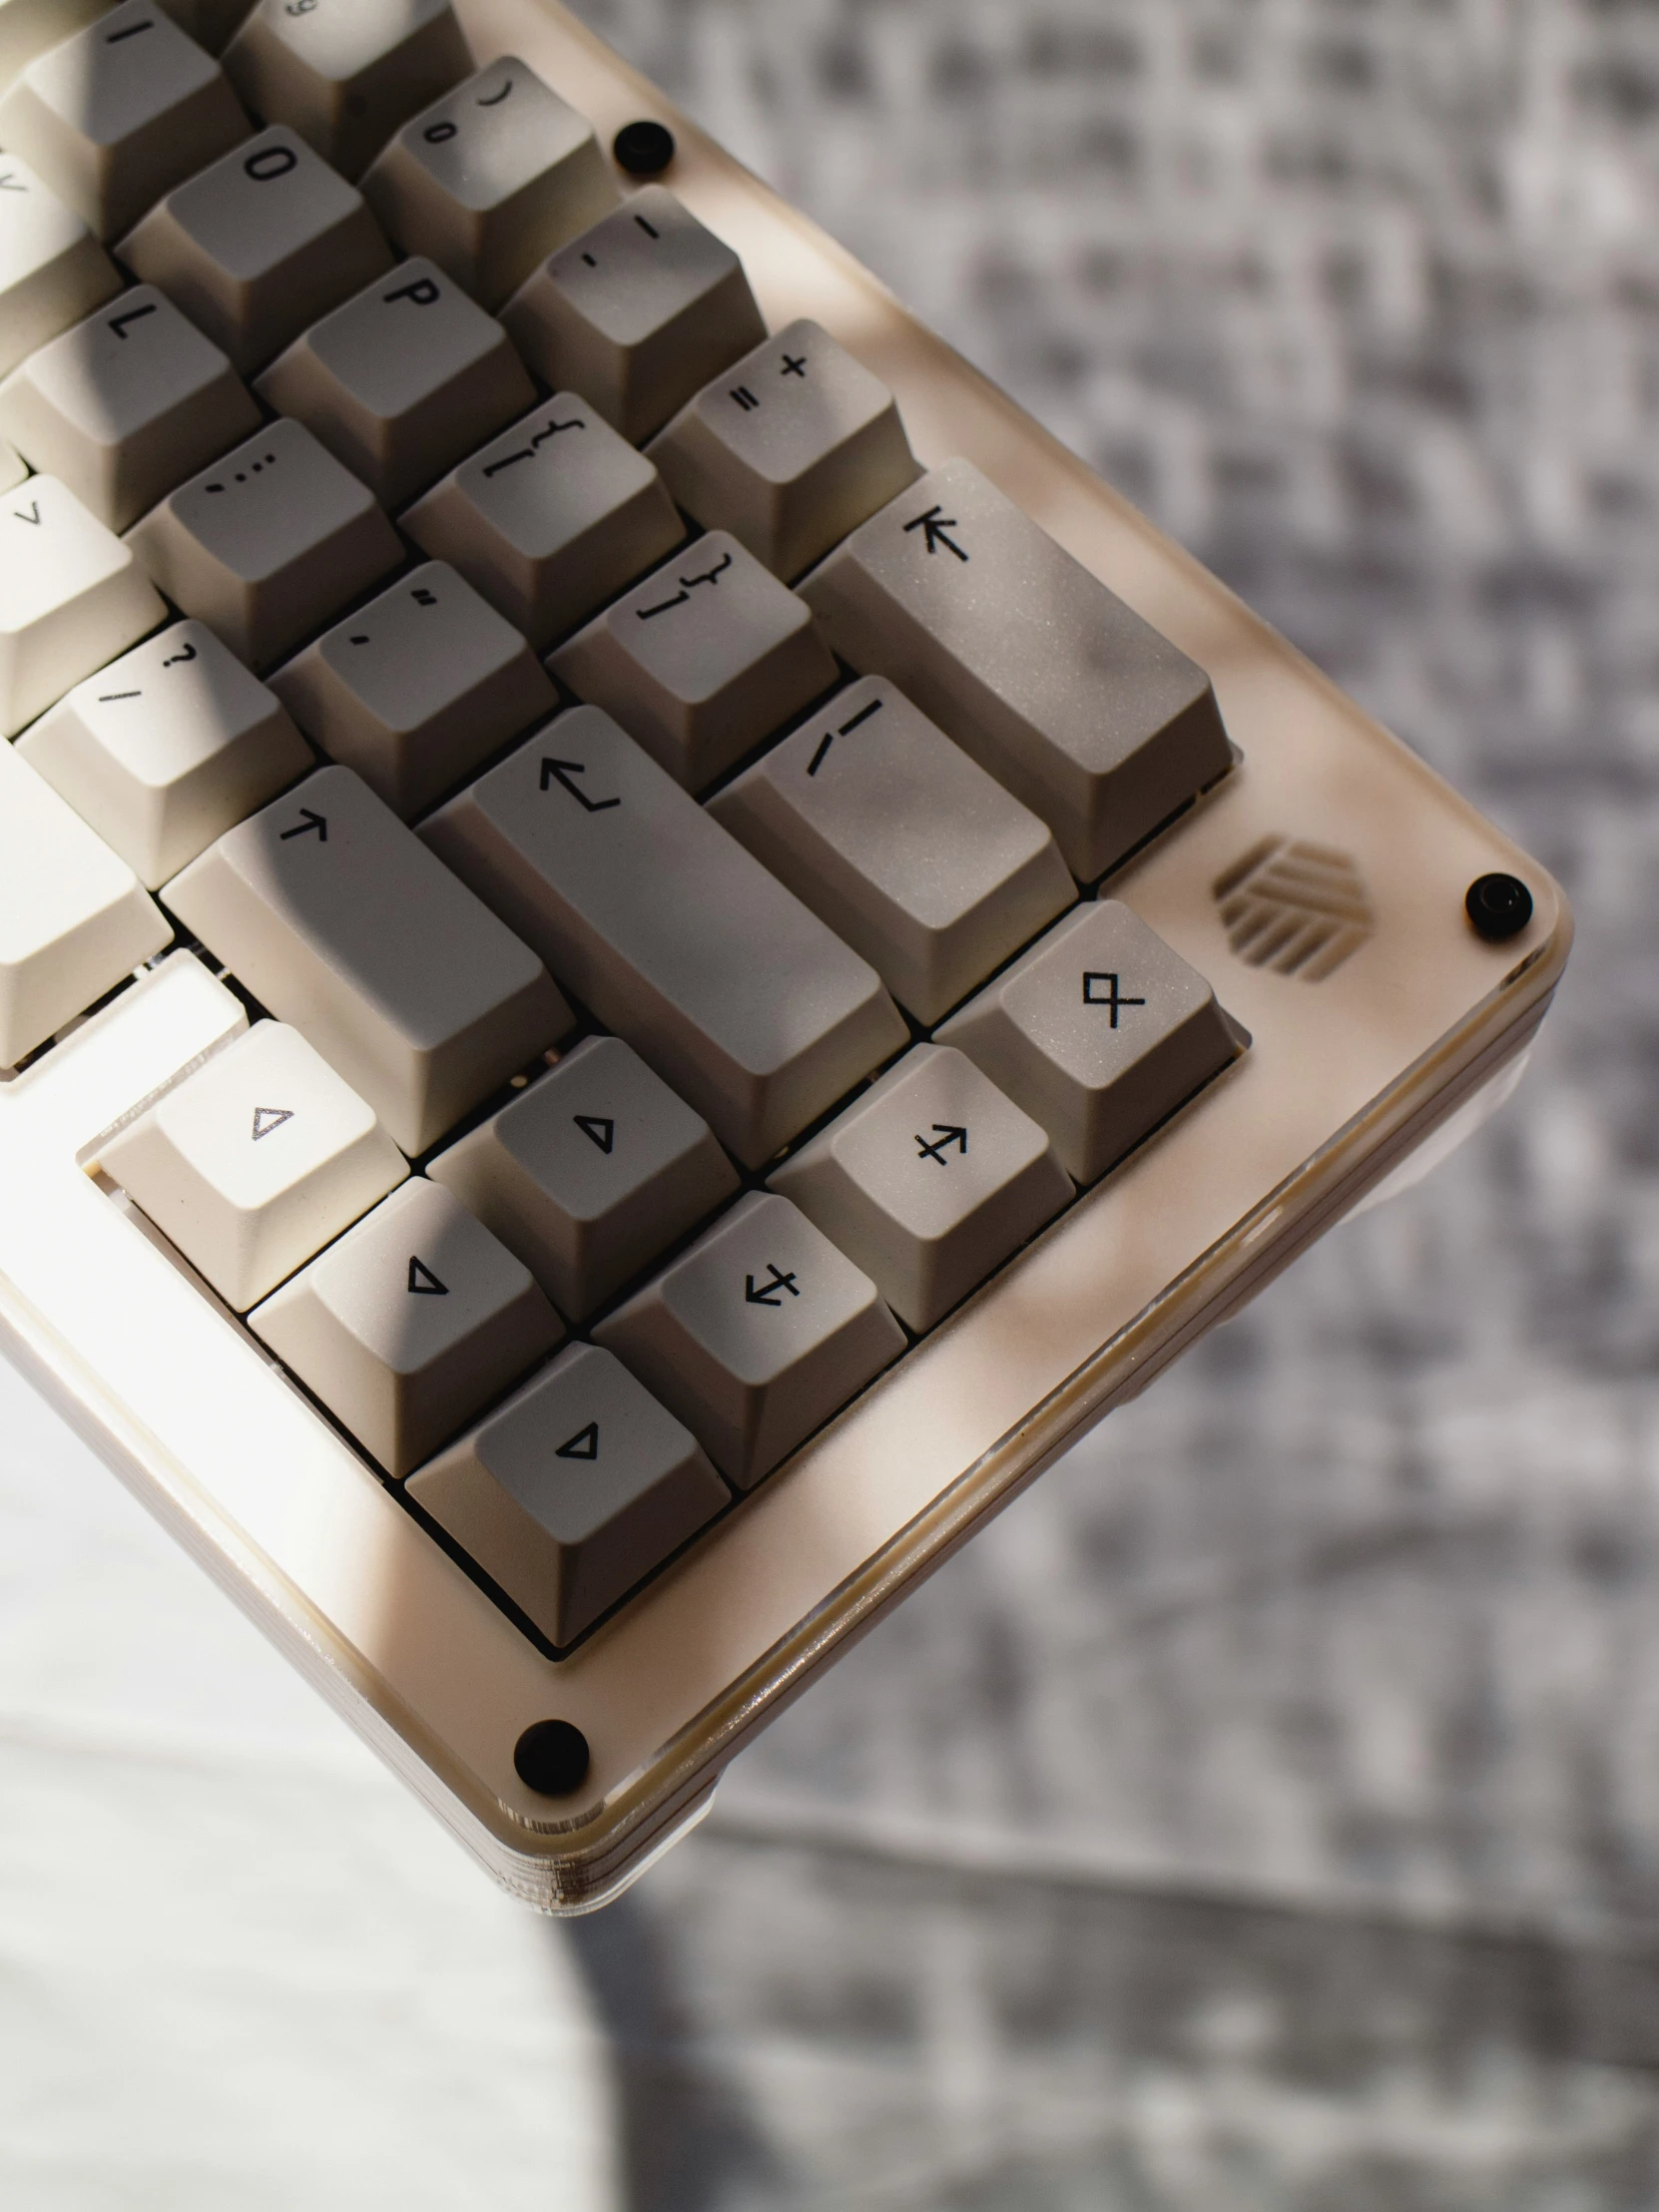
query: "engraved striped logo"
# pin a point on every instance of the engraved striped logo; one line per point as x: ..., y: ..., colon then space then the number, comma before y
x: 1295, y: 907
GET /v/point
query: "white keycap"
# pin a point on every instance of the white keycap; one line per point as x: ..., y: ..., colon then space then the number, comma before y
x: 13, y: 467
x: 167, y: 748
x: 346, y: 73
x: 1060, y: 691
x: 72, y: 917
x: 340, y: 920
x: 268, y: 543
x: 255, y: 1162
x: 638, y: 314
x: 929, y: 1182
x: 71, y: 597
x: 414, y: 690
x: 209, y: 22
x: 126, y: 406
x: 121, y: 113
x: 52, y: 270
x: 702, y: 661
x: 28, y: 27
x: 260, y: 245
x: 1101, y: 1031
x: 756, y: 1336
x: 550, y: 519
x: 667, y: 928
x: 788, y: 448
x: 901, y: 844
x: 572, y: 1492
x: 408, y: 1324
x: 403, y: 380
x: 490, y: 179
x: 589, y: 1174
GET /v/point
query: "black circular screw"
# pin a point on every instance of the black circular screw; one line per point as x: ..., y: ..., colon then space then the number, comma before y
x: 552, y: 1758
x: 1499, y: 906
x: 643, y: 149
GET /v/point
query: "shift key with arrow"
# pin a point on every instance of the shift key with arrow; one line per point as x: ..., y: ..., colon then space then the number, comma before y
x: 334, y: 916
x: 930, y: 1181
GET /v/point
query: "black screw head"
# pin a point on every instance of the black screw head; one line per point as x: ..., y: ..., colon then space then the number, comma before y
x: 643, y: 149
x: 552, y: 1758
x: 1499, y: 906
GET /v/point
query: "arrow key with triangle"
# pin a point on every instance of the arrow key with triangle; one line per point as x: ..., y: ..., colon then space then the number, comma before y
x: 590, y: 1173
x: 572, y: 1491
x: 409, y: 1323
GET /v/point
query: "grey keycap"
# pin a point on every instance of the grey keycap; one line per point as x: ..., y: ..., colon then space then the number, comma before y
x: 260, y: 245
x: 52, y: 270
x: 589, y: 1174
x: 901, y: 844
x: 126, y: 406
x: 929, y: 1182
x: 491, y: 178
x: 551, y: 519
x: 167, y: 748
x: 574, y: 1491
x: 662, y: 923
x: 403, y: 380
x: 638, y: 314
x: 346, y: 73
x: 415, y: 689
x: 268, y: 543
x: 1100, y: 1031
x: 409, y: 1323
x: 1066, y: 695
x: 702, y: 661
x: 756, y: 1336
x: 788, y: 448
x: 120, y: 113
x: 340, y: 920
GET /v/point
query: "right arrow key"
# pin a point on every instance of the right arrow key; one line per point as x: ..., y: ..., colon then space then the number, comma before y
x: 929, y: 1182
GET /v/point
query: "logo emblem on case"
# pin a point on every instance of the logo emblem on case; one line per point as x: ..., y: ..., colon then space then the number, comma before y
x: 1294, y: 907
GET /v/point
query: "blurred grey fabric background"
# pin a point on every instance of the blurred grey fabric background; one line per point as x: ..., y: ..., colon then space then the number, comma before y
x: 1264, y: 1814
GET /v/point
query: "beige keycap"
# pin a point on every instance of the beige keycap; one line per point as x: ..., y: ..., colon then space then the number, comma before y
x: 756, y: 1336
x: 409, y: 1325
x: 28, y: 27
x: 637, y: 313
x: 346, y: 73
x: 340, y: 920
x: 901, y: 844
x: 414, y: 690
x: 1061, y: 692
x: 550, y: 519
x: 667, y: 928
x: 126, y: 406
x: 167, y: 748
x: 1101, y: 1031
x: 490, y: 179
x: 209, y: 22
x: 268, y: 543
x: 929, y: 1182
x: 259, y: 245
x: 52, y: 270
x: 13, y: 467
x: 789, y: 449
x: 255, y: 1162
x: 72, y: 917
x: 402, y: 382
x: 71, y: 597
x: 120, y: 113
x: 572, y: 1492
x: 702, y: 661
x: 589, y: 1174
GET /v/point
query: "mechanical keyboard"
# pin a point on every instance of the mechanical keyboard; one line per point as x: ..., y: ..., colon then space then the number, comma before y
x: 648, y: 947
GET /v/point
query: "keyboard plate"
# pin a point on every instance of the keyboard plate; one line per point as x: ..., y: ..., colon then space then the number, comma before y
x: 1345, y: 1074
